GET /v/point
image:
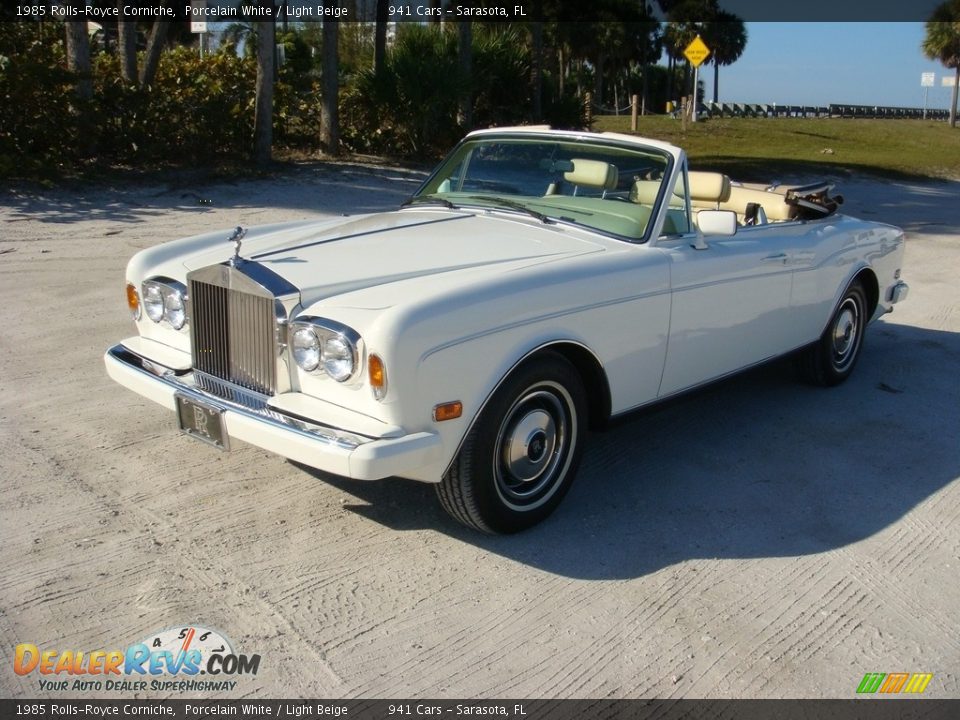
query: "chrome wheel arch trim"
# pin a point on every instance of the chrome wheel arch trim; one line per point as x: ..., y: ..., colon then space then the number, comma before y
x: 486, y: 401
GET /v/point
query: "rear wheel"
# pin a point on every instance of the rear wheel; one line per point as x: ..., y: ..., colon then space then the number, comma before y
x: 519, y: 459
x: 831, y: 359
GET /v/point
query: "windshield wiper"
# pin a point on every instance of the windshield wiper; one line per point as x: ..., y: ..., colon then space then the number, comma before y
x: 428, y: 200
x: 514, y: 205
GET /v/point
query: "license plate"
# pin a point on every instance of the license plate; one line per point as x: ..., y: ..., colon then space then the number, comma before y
x: 203, y: 422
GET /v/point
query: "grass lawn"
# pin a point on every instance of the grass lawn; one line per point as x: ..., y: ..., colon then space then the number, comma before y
x: 764, y: 149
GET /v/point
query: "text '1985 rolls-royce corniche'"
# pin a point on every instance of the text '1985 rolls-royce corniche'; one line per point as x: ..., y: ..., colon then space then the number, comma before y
x: 539, y: 283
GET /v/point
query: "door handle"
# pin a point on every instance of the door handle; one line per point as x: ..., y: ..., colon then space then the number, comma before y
x: 778, y: 258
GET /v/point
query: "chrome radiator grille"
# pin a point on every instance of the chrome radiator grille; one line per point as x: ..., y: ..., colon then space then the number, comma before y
x: 233, y: 336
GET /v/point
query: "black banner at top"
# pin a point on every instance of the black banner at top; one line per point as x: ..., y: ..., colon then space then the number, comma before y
x: 423, y: 11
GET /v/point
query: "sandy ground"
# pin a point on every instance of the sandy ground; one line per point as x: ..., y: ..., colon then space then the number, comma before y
x: 762, y: 538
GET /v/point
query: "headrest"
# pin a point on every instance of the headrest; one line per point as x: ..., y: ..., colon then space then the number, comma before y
x: 645, y: 192
x: 592, y: 173
x: 708, y: 186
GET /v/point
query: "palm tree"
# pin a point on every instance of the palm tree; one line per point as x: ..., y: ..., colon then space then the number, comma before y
x: 622, y: 32
x: 127, y: 36
x: 536, y: 64
x: 676, y: 36
x: 723, y: 32
x: 263, y: 105
x: 329, y: 114
x: 465, y: 63
x: 942, y: 43
x: 241, y: 33
x: 380, y: 35
x: 726, y: 36
x: 78, y: 56
x: 151, y: 61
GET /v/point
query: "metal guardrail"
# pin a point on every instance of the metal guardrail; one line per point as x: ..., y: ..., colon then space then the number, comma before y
x: 712, y: 109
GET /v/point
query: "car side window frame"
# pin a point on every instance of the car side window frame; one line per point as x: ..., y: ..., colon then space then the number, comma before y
x: 687, y: 208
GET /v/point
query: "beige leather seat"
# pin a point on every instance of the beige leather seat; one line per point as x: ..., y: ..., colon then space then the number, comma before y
x: 708, y: 190
x: 715, y: 191
x: 774, y: 204
x: 593, y: 174
x: 644, y: 192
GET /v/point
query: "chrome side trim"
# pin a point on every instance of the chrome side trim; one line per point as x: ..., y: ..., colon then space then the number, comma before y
x: 191, y: 386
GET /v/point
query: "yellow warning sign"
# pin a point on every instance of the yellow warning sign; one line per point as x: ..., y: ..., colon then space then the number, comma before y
x: 696, y: 52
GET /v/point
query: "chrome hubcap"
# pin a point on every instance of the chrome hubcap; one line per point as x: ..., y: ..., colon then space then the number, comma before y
x: 529, y: 446
x: 846, y: 334
x: 532, y: 450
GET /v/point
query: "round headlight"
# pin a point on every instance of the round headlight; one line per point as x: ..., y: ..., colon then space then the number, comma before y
x: 173, y: 309
x: 306, y: 349
x: 153, y: 302
x: 338, y: 357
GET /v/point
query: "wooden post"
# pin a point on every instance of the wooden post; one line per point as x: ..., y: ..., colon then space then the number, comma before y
x: 634, y: 109
x: 588, y: 108
x: 693, y: 101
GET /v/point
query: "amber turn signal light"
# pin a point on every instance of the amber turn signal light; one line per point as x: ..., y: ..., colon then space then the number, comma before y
x: 448, y: 411
x: 133, y: 300
x: 378, y: 376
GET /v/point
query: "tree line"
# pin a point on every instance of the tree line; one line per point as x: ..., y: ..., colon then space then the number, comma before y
x: 138, y: 93
x: 333, y: 86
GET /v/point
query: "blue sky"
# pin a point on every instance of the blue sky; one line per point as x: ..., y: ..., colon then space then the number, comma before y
x: 806, y: 63
x: 867, y: 63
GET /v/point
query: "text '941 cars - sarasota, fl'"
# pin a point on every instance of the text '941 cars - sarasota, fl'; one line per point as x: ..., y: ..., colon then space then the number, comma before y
x: 538, y: 284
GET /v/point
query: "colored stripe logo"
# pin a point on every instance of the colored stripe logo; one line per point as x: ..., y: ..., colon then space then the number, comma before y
x: 891, y: 683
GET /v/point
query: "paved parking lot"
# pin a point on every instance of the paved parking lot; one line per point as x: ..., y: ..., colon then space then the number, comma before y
x: 760, y: 539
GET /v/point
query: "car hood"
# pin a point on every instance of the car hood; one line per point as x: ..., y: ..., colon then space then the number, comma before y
x: 324, y: 260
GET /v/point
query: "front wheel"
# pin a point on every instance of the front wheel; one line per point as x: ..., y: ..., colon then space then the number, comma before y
x: 520, y: 457
x: 831, y: 359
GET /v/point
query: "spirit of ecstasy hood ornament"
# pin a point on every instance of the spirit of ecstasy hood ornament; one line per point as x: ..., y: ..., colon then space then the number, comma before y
x: 236, y: 239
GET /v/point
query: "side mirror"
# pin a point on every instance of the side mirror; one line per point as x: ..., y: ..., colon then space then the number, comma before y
x: 717, y: 223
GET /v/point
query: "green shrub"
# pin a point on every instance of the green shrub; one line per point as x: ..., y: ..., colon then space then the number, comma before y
x: 199, y: 111
x: 500, y: 74
x: 42, y: 124
x: 410, y: 107
x: 196, y: 109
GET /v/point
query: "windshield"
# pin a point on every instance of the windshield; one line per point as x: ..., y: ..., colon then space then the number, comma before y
x: 605, y: 187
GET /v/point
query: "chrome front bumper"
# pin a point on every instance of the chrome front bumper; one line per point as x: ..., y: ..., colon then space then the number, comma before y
x: 250, y: 418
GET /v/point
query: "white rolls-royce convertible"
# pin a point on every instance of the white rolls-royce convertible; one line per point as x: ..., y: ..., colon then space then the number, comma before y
x: 537, y: 284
